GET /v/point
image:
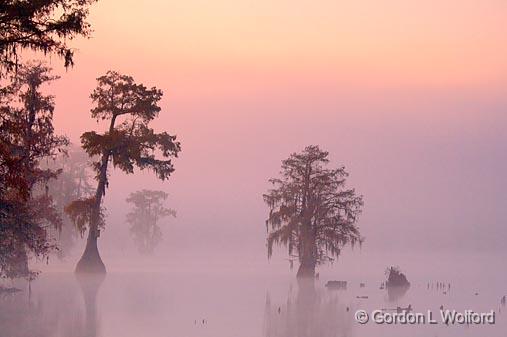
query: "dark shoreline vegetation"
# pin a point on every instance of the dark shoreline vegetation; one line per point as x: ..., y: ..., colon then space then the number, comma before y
x: 26, y: 130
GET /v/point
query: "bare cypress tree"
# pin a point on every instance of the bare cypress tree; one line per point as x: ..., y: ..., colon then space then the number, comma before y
x: 129, y: 142
x: 311, y: 210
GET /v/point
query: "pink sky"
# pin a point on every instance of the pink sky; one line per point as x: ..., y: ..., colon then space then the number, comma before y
x: 408, y: 95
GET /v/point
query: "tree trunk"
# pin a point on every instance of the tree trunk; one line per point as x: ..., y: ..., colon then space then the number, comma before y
x: 306, y: 269
x: 308, y: 259
x: 18, y: 264
x: 90, y: 262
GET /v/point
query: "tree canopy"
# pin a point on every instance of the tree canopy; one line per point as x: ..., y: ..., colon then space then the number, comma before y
x: 147, y: 209
x: 26, y: 137
x: 129, y: 142
x: 312, y: 212
x: 41, y: 25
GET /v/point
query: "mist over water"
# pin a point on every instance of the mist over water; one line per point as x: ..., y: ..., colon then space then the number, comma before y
x: 259, y: 299
x: 410, y: 97
x: 433, y: 207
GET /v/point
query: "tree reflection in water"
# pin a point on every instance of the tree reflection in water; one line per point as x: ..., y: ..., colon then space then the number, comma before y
x: 311, y: 312
x: 61, y: 310
x: 90, y: 285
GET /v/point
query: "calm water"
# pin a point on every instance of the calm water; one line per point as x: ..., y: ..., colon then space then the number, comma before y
x: 161, y: 304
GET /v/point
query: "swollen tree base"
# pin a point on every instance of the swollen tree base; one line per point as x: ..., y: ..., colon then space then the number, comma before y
x: 88, y: 265
x: 90, y: 262
x: 306, y: 271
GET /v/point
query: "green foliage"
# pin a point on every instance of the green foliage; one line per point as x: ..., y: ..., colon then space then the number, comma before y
x: 147, y: 210
x: 311, y: 210
x: 41, y: 25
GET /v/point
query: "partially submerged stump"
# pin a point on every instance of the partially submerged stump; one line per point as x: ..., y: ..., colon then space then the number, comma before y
x: 336, y: 285
x: 395, y: 278
x: 397, y: 284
